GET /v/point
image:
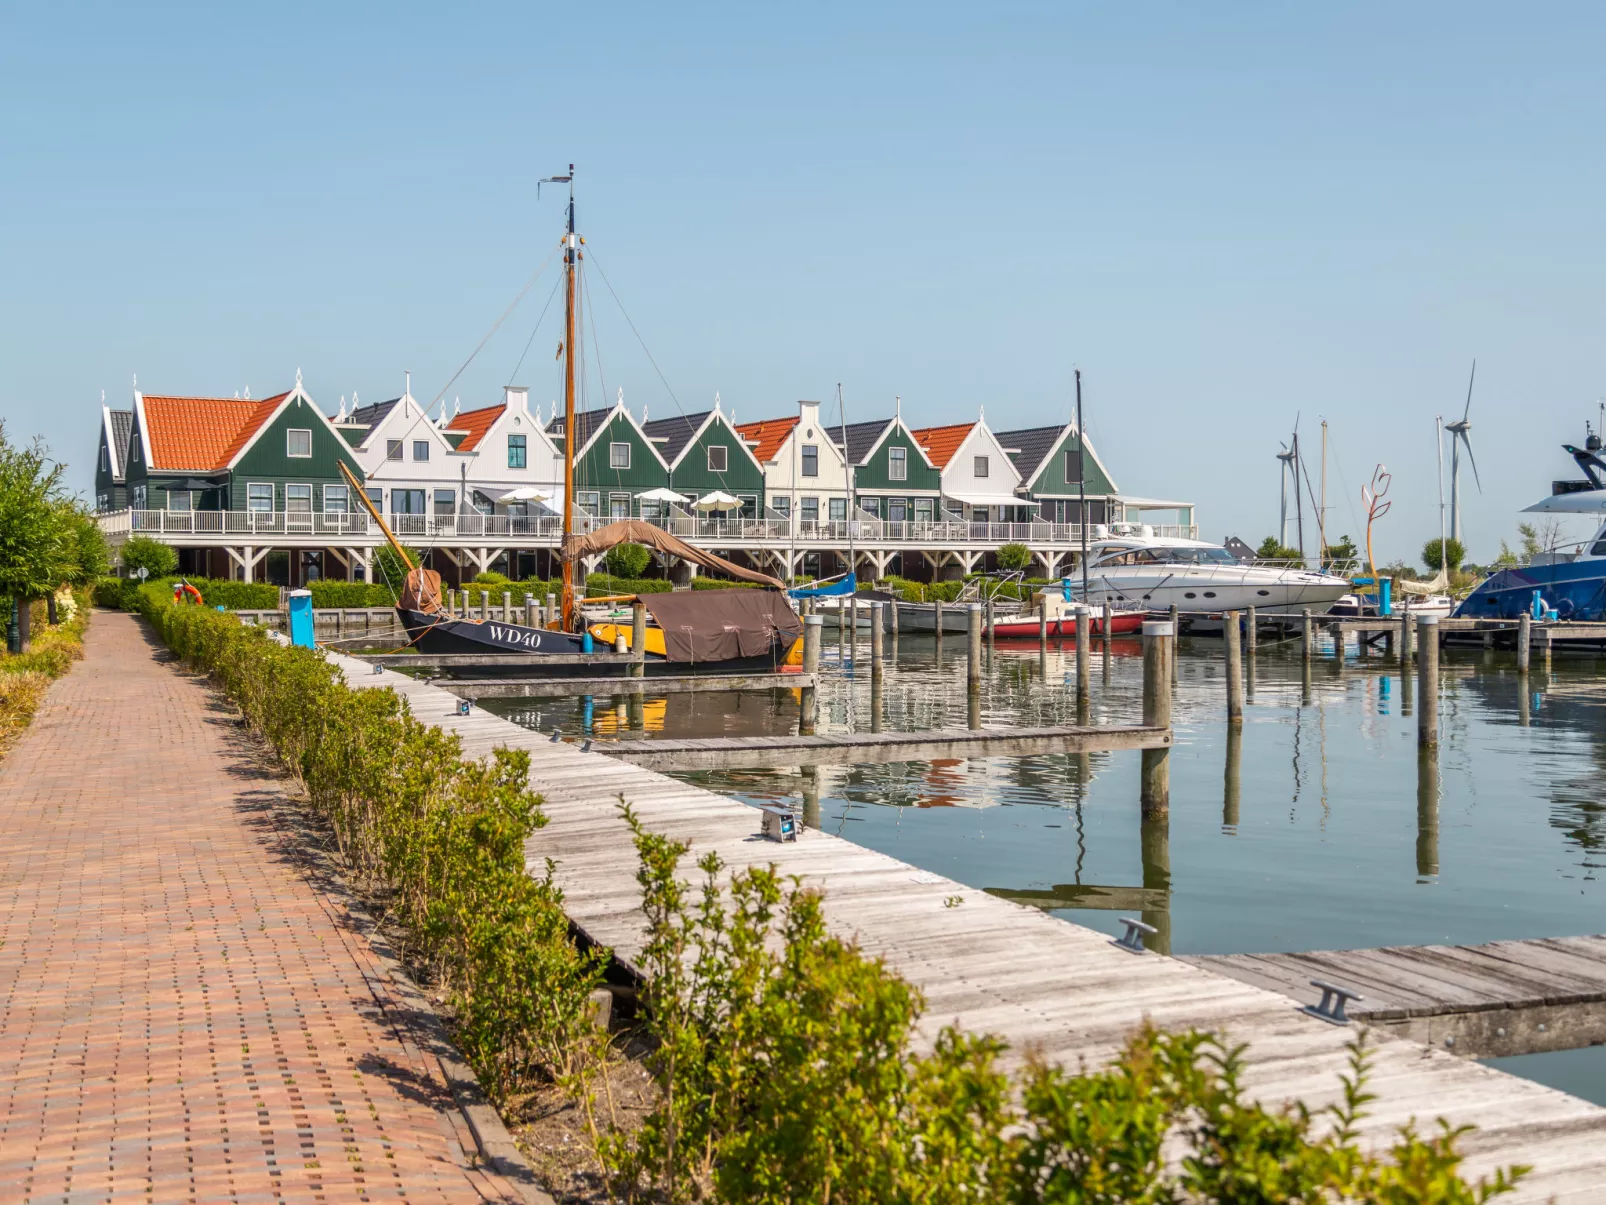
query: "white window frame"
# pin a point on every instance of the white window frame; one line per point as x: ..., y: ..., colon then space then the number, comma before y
x: 298, y: 486
x: 923, y: 504
x: 344, y: 493
x: 588, y: 501
x: 140, y: 496
x: 781, y: 504
x: 189, y: 500
x: 810, y: 504
x: 439, y: 495
x: 615, y: 500
x: 614, y: 449
x: 979, y: 467
x: 1072, y: 455
x: 105, y: 459
x: 290, y: 442
x: 420, y: 445
x: 250, y: 504
x: 724, y: 458
x: 897, y: 464
x: 395, y: 449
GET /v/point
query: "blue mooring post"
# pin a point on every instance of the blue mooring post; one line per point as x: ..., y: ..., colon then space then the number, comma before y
x: 1385, y: 596
x: 301, y: 619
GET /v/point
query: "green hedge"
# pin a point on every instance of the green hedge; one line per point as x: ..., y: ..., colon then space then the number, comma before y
x: 352, y: 594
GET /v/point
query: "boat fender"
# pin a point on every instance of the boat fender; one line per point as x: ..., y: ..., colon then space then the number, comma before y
x: 587, y: 645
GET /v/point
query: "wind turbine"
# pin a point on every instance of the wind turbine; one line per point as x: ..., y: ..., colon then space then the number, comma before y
x: 1458, y: 436
x: 1287, y: 456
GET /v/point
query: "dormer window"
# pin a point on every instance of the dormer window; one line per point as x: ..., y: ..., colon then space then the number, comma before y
x: 298, y: 443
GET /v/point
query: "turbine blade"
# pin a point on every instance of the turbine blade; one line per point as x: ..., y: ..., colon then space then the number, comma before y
x: 1468, y: 408
x: 1467, y: 439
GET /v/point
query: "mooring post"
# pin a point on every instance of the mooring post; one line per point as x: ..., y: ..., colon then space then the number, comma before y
x: 1084, y: 657
x: 529, y: 609
x: 1427, y: 812
x: 1405, y: 638
x: 1232, y: 779
x: 485, y: 604
x: 811, y: 643
x: 895, y: 619
x: 1178, y: 631
x: 552, y: 618
x: 875, y: 639
x: 638, y: 639
x: 938, y: 616
x: 1307, y: 635
x: 1105, y: 634
x: 1548, y: 645
x: 1427, y: 665
x: 1524, y: 643
x: 1235, y: 668
x: 877, y: 703
x: 973, y: 627
x: 990, y: 636
x: 1154, y: 792
x: 1042, y: 621
x: 841, y: 620
x: 1251, y: 631
x: 507, y: 606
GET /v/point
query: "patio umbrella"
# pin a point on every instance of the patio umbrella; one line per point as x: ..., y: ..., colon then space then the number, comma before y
x: 661, y: 495
x: 718, y: 500
x: 526, y: 493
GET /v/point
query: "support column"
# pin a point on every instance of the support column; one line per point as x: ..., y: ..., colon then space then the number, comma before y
x: 1154, y: 793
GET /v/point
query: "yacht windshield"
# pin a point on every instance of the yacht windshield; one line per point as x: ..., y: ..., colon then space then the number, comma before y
x: 1170, y: 556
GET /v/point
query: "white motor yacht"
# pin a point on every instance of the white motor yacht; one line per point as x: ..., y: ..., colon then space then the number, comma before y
x: 1153, y: 574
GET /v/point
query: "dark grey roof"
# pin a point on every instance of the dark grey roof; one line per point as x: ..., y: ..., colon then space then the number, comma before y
x: 676, y: 433
x: 122, y: 425
x: 861, y: 437
x: 372, y: 415
x: 1029, y: 447
x: 585, y: 422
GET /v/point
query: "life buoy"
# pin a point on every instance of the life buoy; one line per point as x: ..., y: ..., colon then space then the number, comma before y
x: 181, y: 590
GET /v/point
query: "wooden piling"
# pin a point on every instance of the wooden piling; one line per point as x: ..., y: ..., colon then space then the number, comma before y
x: 1154, y: 792
x: 1235, y: 668
x: 1174, y: 658
x: 485, y: 604
x: 990, y: 636
x: 973, y: 628
x: 1232, y: 779
x: 529, y: 609
x: 894, y: 624
x: 875, y: 639
x: 1406, y: 634
x: 1251, y: 631
x: 1307, y: 634
x: 1042, y: 622
x: 1427, y: 664
x: 938, y: 615
x: 811, y: 643
x: 638, y: 639
x: 553, y: 620
x: 1524, y: 643
x: 507, y: 606
x: 1105, y: 634
x: 1084, y: 656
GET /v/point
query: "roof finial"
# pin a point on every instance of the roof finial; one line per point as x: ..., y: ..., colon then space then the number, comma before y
x: 408, y: 388
x: 248, y: 393
x: 341, y: 417
x: 716, y: 401
x: 621, y: 400
x: 136, y: 380
x: 354, y: 401
x: 298, y: 378
x: 897, y: 406
x: 457, y: 405
x: 102, y: 397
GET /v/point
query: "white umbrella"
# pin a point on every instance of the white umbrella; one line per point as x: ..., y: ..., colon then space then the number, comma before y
x: 718, y: 500
x: 662, y: 495
x: 526, y: 493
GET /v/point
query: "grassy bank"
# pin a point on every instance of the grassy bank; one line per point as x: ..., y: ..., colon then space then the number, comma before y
x: 24, y: 677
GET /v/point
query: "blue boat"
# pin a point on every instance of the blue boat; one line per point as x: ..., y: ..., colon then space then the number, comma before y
x: 1560, y: 585
x: 834, y: 588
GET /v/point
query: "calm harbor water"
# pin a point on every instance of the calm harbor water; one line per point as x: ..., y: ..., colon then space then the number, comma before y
x: 1317, y: 827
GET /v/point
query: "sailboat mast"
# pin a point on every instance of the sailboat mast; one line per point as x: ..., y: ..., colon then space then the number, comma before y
x: 1081, y: 484
x: 1444, y: 548
x: 570, y: 256
x: 1321, y: 507
x: 842, y: 420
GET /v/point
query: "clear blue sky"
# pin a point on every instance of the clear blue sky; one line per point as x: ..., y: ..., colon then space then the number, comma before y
x: 1226, y: 214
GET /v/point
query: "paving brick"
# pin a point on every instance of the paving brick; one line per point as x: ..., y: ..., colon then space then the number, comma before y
x: 185, y: 1015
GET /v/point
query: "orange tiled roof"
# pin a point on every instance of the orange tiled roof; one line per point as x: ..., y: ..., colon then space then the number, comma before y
x: 476, y: 423
x: 202, y: 434
x: 769, y: 434
x: 940, y: 443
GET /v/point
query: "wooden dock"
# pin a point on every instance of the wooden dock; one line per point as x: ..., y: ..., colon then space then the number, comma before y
x: 739, y: 752
x: 994, y: 966
x: 1504, y: 998
x: 667, y: 684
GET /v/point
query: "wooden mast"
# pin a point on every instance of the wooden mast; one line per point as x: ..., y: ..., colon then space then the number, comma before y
x: 570, y: 258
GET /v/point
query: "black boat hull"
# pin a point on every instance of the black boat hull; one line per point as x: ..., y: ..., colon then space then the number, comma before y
x: 448, y: 634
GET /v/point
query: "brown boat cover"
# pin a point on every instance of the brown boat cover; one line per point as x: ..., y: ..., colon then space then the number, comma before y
x: 722, y: 625
x: 636, y: 531
x: 422, y: 591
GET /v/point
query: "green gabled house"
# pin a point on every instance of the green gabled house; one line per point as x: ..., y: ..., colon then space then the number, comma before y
x: 893, y: 477
x: 614, y: 461
x: 705, y: 453
x: 1055, y: 475
x: 111, y: 459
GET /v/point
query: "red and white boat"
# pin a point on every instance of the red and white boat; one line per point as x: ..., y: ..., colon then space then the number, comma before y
x: 1062, y: 620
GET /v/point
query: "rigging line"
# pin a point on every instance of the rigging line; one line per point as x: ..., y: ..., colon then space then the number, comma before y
x: 634, y: 331
x: 596, y: 340
x: 536, y: 330
x: 528, y: 285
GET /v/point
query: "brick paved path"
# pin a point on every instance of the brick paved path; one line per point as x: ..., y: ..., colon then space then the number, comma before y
x: 184, y: 1014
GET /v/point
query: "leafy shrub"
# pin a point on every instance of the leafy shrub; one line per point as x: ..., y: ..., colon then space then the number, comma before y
x: 108, y: 592
x: 1433, y: 553
x: 388, y: 566
x: 24, y: 677
x: 441, y: 836
x: 628, y: 560
x: 352, y: 594
x: 155, y: 557
x: 1013, y: 558
x: 489, y: 577
x: 720, y: 583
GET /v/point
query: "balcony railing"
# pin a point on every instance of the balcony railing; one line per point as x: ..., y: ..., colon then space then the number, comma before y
x: 547, y: 529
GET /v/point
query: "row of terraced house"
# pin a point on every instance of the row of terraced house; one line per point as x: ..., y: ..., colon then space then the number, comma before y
x: 252, y: 489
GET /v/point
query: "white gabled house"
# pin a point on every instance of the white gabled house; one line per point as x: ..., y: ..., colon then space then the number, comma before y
x: 980, y: 482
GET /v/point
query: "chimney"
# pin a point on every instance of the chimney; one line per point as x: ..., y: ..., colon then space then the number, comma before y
x: 808, y: 417
x: 516, y: 397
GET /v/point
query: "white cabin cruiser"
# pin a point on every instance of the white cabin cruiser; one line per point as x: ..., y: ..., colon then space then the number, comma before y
x: 1154, y: 574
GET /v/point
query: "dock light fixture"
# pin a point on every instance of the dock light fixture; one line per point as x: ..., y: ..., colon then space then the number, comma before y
x: 779, y: 823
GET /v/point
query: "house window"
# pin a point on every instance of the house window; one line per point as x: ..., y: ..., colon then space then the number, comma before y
x: 420, y: 449
x: 103, y: 501
x: 651, y: 511
x: 619, y: 506
x: 749, y: 505
x: 376, y: 495
x: 589, y: 501
x: 922, y: 510
x: 870, y: 506
x: 811, y: 510
x: 259, y: 497
x: 393, y: 449
x: 105, y: 460
x: 898, y: 464
x: 979, y: 466
x: 1073, y: 464
x: 139, y: 497
x: 407, y: 502
x: 515, y: 452
x: 482, y: 502
x: 839, y: 509
x: 811, y: 460
x: 334, y: 499
x: 898, y: 510
x: 718, y: 457
x: 298, y: 443
x: 781, y: 504
x: 298, y: 499
x: 445, y: 503
x: 618, y: 456
x: 178, y: 500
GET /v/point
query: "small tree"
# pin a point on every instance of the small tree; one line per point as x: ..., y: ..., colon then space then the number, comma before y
x: 388, y: 567
x: 1344, y: 550
x: 1433, y: 554
x: 1013, y: 558
x: 1273, y: 549
x: 34, y: 537
x: 88, y: 557
x: 156, y: 558
x: 628, y: 560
